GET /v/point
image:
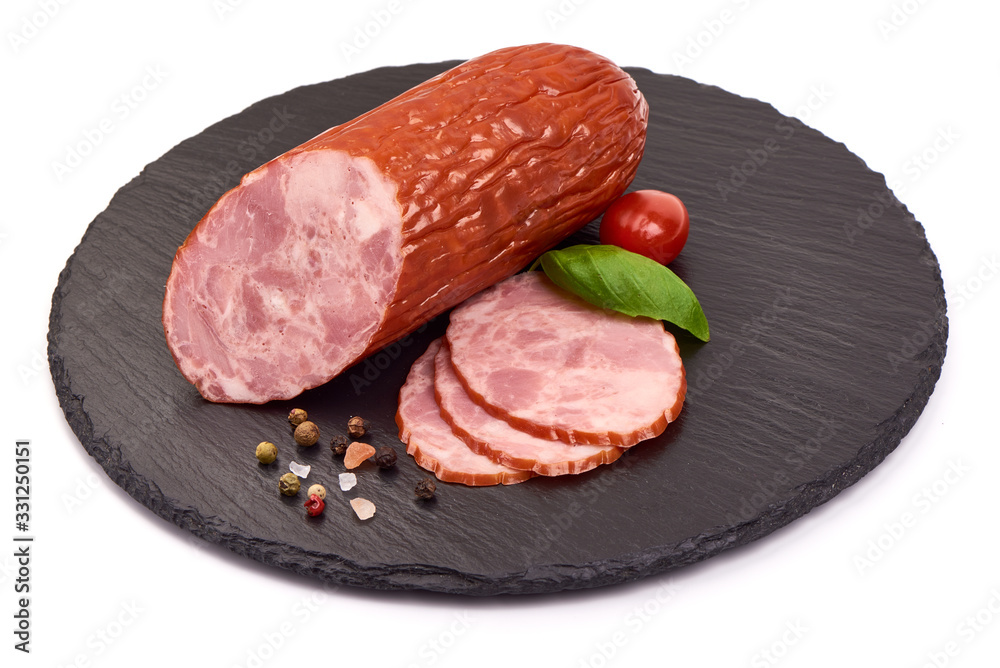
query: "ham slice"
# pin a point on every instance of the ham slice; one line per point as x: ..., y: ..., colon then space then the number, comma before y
x: 429, y: 438
x: 550, y: 364
x: 501, y: 442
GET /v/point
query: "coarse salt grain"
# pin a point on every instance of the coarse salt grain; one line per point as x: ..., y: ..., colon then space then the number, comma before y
x: 300, y: 470
x: 357, y: 452
x: 363, y: 508
x: 347, y: 481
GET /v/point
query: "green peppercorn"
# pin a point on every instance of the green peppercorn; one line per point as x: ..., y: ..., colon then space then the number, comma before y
x: 266, y: 452
x: 297, y: 416
x: 307, y: 433
x: 289, y: 484
x: 385, y: 457
x: 338, y: 445
x: 357, y: 427
x: 317, y: 490
x: 425, y: 488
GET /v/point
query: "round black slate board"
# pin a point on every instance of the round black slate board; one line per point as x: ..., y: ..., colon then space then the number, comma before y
x: 828, y: 334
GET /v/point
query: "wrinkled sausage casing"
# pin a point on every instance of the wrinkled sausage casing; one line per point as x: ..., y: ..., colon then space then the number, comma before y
x: 351, y: 240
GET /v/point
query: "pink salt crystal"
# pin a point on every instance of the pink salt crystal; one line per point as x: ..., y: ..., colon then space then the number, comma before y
x: 363, y: 508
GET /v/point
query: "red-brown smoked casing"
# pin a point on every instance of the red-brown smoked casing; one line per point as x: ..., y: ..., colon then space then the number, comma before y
x: 360, y: 235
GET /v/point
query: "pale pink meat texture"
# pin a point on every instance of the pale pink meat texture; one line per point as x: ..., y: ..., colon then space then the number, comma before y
x: 550, y: 364
x: 501, y: 442
x: 264, y: 301
x: 429, y: 438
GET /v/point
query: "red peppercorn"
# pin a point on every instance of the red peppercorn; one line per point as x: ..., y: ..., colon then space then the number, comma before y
x: 314, y: 506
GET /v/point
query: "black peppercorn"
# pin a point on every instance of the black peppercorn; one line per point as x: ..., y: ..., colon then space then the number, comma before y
x: 425, y: 489
x: 338, y: 445
x: 357, y: 427
x: 385, y: 457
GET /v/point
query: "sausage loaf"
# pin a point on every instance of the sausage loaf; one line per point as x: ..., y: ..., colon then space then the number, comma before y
x: 351, y: 240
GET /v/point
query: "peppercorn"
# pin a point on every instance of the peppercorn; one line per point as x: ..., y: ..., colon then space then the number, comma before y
x: 425, y: 489
x: 289, y: 484
x: 385, y: 457
x: 307, y: 433
x: 297, y: 416
x: 314, y: 505
x: 317, y: 490
x: 338, y: 445
x: 357, y: 427
x: 266, y: 452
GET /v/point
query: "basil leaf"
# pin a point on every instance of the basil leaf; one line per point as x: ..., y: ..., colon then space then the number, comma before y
x: 614, y: 278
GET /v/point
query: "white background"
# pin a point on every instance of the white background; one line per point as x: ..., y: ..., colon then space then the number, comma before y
x: 890, y: 79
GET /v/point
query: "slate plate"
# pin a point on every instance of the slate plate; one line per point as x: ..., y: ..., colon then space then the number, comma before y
x: 828, y: 334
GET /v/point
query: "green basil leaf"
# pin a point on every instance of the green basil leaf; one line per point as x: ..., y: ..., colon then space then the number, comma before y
x: 614, y: 278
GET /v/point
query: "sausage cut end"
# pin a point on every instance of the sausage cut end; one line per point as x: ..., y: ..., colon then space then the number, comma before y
x: 286, y: 280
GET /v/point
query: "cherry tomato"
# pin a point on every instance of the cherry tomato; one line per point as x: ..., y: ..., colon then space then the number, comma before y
x: 648, y: 222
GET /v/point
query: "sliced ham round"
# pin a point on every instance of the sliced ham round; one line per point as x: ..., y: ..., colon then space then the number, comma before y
x: 501, y: 442
x: 429, y: 439
x: 550, y: 364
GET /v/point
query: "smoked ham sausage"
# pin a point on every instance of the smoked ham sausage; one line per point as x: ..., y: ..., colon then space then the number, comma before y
x: 351, y: 240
